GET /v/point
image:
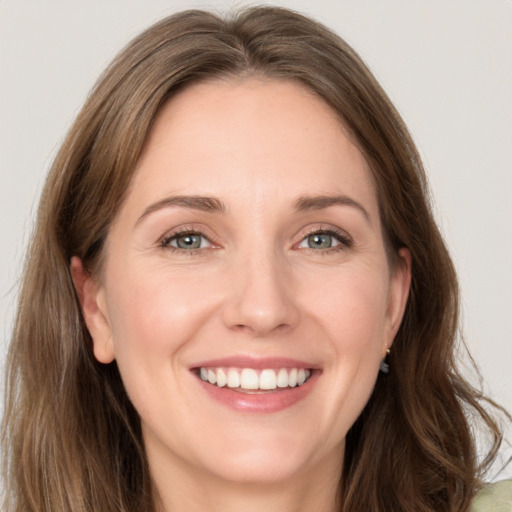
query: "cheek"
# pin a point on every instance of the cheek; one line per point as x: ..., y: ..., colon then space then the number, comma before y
x: 153, y: 316
x: 155, y: 312
x: 348, y: 316
x: 352, y: 308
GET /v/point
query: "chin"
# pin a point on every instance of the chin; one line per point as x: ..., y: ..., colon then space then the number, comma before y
x: 263, y: 455
x: 262, y: 467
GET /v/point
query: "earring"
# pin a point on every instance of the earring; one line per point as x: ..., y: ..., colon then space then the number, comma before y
x: 384, y: 366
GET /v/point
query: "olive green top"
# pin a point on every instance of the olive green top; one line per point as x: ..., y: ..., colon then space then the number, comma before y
x: 494, y: 498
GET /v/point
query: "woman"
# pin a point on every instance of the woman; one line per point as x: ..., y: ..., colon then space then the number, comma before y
x: 236, y: 295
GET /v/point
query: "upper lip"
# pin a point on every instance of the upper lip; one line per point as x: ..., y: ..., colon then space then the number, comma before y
x: 257, y: 363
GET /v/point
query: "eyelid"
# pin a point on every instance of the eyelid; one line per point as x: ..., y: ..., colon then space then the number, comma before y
x: 168, y: 242
x: 163, y: 241
x: 344, y: 239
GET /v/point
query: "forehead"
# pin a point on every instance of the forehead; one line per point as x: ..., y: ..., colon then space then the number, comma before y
x: 250, y: 138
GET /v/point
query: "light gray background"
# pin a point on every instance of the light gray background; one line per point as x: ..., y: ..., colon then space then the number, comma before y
x: 447, y: 65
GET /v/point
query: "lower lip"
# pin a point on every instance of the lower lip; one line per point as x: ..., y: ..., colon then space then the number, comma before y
x: 266, y: 402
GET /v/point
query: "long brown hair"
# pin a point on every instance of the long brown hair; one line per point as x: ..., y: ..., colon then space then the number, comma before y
x: 71, y: 438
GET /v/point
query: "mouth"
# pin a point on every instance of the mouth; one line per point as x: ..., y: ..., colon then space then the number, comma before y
x: 256, y: 385
x: 250, y: 380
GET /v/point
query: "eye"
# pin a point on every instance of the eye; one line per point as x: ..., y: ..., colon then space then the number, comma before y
x: 186, y: 241
x: 325, y: 240
x: 319, y: 241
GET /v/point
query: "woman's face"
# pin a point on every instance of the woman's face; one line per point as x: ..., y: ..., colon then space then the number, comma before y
x: 248, y: 251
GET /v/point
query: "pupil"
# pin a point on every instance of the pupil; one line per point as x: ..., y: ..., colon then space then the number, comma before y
x: 320, y: 241
x: 189, y: 242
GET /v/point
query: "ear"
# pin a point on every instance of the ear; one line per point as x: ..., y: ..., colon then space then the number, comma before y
x: 398, y: 294
x: 91, y: 296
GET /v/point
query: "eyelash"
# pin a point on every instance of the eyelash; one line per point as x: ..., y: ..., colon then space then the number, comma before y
x: 166, y: 240
x: 345, y: 241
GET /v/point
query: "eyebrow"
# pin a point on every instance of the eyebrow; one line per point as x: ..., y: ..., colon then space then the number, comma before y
x: 205, y: 204
x: 308, y: 203
x: 215, y: 205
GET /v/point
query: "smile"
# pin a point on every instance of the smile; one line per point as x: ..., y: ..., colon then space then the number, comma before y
x: 250, y: 379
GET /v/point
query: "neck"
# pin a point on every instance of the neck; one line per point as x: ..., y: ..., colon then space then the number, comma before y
x: 184, y: 491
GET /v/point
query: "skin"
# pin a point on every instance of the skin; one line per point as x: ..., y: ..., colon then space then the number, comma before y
x: 255, y: 288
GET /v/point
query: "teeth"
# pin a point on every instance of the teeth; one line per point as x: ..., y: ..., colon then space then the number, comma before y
x: 268, y: 379
x: 233, y: 378
x: 250, y: 379
x: 292, y: 378
x: 212, y: 377
x: 222, y: 378
x: 282, y: 378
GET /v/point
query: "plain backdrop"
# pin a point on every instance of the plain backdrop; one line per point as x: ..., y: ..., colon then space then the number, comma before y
x: 446, y: 64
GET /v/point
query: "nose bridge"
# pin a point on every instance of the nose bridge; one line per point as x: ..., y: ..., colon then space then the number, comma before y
x: 261, y: 298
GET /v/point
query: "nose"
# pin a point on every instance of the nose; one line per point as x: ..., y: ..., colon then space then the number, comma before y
x: 260, y: 297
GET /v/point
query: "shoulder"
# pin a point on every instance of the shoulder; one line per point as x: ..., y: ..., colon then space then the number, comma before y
x: 495, y: 497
